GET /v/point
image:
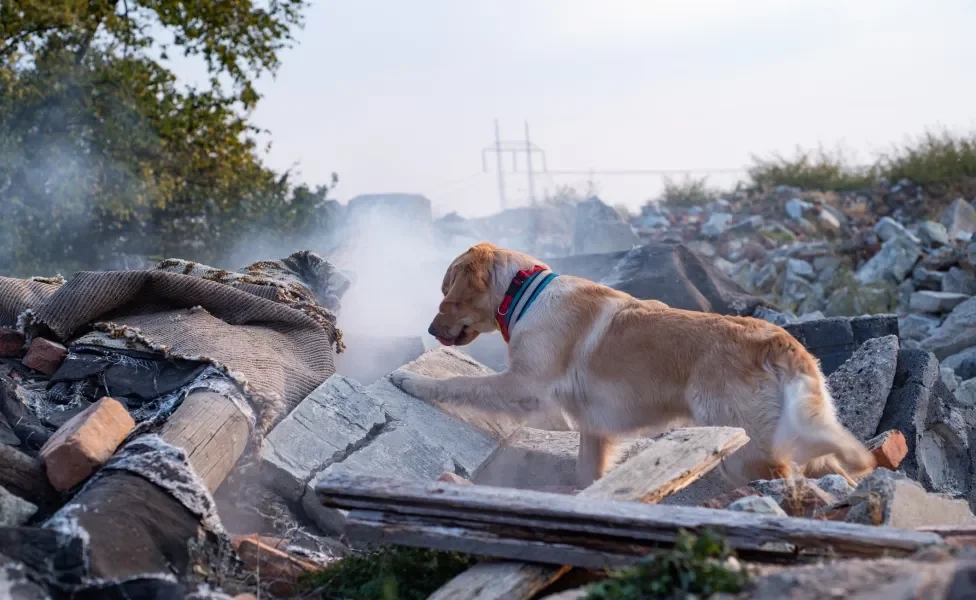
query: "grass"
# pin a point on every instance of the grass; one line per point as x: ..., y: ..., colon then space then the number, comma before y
x: 933, y: 158
x: 809, y: 170
x: 697, y: 567
x: 389, y: 573
x: 691, y: 191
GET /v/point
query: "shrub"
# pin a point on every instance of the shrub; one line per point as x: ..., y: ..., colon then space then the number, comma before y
x: 691, y: 191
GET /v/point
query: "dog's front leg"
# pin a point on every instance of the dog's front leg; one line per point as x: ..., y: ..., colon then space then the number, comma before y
x: 593, y: 458
x: 505, y: 392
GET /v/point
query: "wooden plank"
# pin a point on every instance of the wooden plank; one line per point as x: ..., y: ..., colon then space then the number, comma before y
x: 527, y: 515
x: 672, y: 462
x: 24, y: 476
x: 212, y: 430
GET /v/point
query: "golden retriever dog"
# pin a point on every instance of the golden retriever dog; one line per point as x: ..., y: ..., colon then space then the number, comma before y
x: 617, y: 365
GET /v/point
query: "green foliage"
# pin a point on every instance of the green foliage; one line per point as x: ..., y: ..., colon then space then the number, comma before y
x: 690, y: 191
x: 696, y: 568
x: 820, y: 170
x: 102, y: 152
x: 933, y: 158
x: 390, y: 573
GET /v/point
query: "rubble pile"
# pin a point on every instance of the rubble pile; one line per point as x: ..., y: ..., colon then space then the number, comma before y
x: 187, y: 432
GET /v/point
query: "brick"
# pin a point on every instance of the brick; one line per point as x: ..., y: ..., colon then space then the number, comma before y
x: 448, y: 477
x: 45, y: 356
x: 889, y: 449
x: 11, y: 343
x: 85, y: 442
x: 282, y: 569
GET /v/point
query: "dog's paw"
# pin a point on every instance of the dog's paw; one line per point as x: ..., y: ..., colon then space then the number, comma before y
x: 411, y: 383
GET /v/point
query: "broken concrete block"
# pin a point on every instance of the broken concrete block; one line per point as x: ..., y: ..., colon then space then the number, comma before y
x: 888, y: 498
x: 927, y: 301
x: 798, y: 497
x: 835, y: 485
x: 44, y: 356
x: 448, y: 477
x: 762, y: 505
x: 332, y: 421
x: 889, y: 449
x: 11, y: 343
x: 14, y: 510
x: 861, y: 385
x: 85, y: 442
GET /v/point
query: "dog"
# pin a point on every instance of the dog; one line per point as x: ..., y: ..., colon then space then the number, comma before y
x: 615, y: 365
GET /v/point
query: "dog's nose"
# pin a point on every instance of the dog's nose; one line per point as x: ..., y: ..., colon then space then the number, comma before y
x: 432, y: 330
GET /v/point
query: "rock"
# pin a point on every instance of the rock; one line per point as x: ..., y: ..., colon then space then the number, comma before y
x: 11, y: 343
x: 716, y: 225
x: 887, y: 498
x: 888, y: 449
x: 861, y: 385
x: 966, y: 393
x: 917, y: 327
x: 927, y: 301
x: 956, y: 333
x: 14, y: 510
x: 599, y: 228
x: 963, y: 363
x: 765, y: 278
x: 448, y: 477
x: 84, y: 443
x: 702, y: 247
x: 959, y: 219
x: 927, y: 279
x: 942, y: 258
x: 933, y: 234
x: 762, y: 505
x: 850, y: 300
x: 800, y: 268
x: 835, y: 485
x: 44, y: 356
x: 332, y: 421
x: 889, y: 229
x: 959, y: 281
x: 949, y: 378
x: 796, y: 207
x: 828, y: 221
x: 798, y: 497
x: 892, y: 264
x: 725, y: 500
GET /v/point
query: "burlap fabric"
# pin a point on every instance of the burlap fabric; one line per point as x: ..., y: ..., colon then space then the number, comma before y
x: 277, y: 346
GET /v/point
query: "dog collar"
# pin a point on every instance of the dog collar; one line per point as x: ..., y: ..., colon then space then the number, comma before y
x: 522, y: 292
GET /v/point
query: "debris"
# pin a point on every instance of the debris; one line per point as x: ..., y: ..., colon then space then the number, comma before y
x: 798, y: 497
x: 927, y: 301
x: 891, y: 499
x: 84, y: 443
x: 959, y: 219
x: 760, y: 505
x: 281, y: 570
x: 14, y: 511
x: 861, y: 385
x: 11, y: 343
x: 888, y: 449
x: 44, y: 356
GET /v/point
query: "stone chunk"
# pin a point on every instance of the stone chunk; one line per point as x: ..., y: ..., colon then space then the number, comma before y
x: 889, y: 449
x: 956, y: 333
x: 798, y: 497
x: 11, y: 343
x: 85, y: 442
x: 861, y: 385
x: 888, y: 498
x: 332, y: 421
x: 45, y: 356
x: 928, y: 301
x: 762, y: 505
x: 14, y: 510
x: 933, y: 234
x: 959, y: 281
x: 892, y: 264
x: 959, y: 219
x: 963, y: 363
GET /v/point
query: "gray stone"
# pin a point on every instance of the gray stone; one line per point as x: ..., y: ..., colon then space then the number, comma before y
x: 773, y: 316
x: 599, y: 228
x: 933, y: 234
x: 334, y: 419
x: 811, y: 316
x: 956, y: 333
x: 716, y: 224
x: 765, y: 278
x: 702, y: 247
x: 14, y: 510
x: 951, y: 380
x: 927, y: 279
x: 959, y: 281
x: 800, y: 268
x: 758, y: 504
x: 917, y: 327
x: 965, y: 393
x: 796, y: 207
x: 970, y: 255
x: 888, y: 229
x: 828, y: 221
x: 835, y: 485
x: 891, y: 264
x: 963, y: 363
x: 927, y: 301
x: 886, y: 498
x: 860, y: 386
x: 959, y: 219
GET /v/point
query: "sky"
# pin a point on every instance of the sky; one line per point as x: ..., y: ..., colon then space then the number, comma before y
x: 402, y: 96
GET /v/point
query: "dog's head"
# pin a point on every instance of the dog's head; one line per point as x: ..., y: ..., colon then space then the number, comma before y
x: 467, y: 309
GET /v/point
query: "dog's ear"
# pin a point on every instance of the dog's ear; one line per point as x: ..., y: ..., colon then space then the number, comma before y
x: 468, y: 276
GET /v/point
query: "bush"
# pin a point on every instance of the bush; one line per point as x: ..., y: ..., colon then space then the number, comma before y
x: 690, y: 192
x: 820, y: 170
x: 933, y: 158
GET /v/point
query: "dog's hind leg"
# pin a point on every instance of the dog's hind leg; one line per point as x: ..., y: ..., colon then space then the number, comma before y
x: 596, y: 453
x: 505, y: 392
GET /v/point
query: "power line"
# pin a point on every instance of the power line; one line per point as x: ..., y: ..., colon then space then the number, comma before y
x: 640, y: 171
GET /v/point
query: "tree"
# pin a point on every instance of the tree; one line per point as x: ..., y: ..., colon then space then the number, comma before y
x: 102, y: 151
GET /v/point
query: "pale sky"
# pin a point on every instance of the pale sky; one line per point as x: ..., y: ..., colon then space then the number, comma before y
x: 401, y: 96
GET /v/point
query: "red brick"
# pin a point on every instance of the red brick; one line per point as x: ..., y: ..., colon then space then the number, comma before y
x: 84, y: 443
x: 889, y: 449
x: 11, y: 343
x: 45, y: 356
x: 448, y: 477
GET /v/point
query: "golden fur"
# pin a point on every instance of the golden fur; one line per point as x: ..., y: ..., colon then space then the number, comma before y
x: 618, y: 365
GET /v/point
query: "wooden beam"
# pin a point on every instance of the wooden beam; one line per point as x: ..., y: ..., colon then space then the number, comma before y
x: 673, y: 461
x: 24, y: 476
x: 462, y: 518
x: 212, y: 431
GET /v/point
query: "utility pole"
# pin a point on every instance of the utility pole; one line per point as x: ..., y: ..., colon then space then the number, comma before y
x: 501, y: 176
x: 528, y: 158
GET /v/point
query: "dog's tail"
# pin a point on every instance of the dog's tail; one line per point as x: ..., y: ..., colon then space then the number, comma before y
x: 808, y: 432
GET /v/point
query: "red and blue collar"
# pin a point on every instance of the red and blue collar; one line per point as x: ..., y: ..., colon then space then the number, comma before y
x: 524, y: 289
